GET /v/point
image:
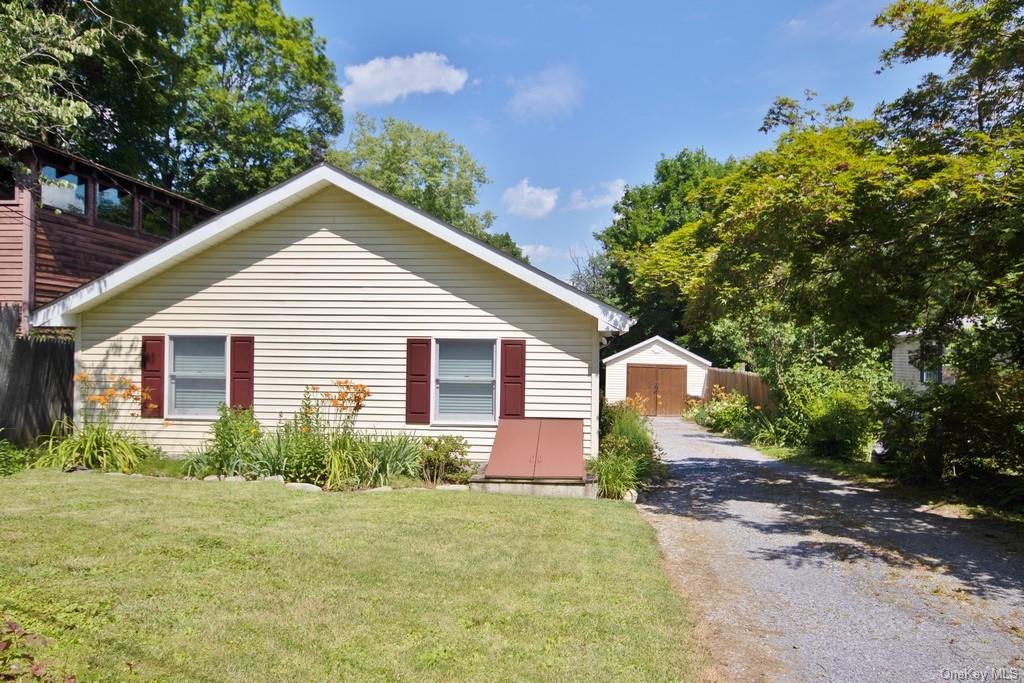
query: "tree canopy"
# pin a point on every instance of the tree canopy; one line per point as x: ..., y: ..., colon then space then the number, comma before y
x: 37, y: 54
x: 425, y: 168
x: 805, y: 260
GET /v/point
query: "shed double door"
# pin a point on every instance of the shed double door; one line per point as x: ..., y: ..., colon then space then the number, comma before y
x: 662, y: 387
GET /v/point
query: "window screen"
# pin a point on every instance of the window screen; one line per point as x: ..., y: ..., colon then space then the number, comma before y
x: 157, y: 219
x: 186, y: 221
x: 7, y: 184
x: 62, y: 190
x: 113, y: 204
x: 465, y: 379
x: 931, y: 362
x: 198, y: 382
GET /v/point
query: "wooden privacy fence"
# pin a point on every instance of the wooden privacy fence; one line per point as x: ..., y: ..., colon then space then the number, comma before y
x: 749, y: 384
x: 35, y: 381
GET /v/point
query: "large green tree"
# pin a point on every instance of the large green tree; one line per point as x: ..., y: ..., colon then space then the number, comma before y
x: 425, y: 168
x: 645, y: 214
x: 131, y: 81
x: 38, y: 49
x: 218, y: 99
x: 982, y: 42
x: 259, y: 101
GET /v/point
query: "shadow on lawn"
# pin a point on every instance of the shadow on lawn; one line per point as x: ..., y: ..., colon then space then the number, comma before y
x: 859, y: 523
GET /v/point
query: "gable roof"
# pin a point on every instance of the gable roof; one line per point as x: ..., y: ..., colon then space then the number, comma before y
x: 654, y: 340
x: 60, y: 313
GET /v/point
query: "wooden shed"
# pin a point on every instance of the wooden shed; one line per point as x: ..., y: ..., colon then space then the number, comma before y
x: 662, y: 373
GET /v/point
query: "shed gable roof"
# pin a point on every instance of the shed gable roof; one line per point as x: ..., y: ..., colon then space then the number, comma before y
x: 60, y: 313
x: 657, y: 339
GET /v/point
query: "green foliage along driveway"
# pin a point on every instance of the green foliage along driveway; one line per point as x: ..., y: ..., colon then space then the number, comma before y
x: 191, y: 580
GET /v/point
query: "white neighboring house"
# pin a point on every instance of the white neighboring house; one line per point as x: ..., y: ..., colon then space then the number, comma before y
x: 324, y: 277
x: 652, y: 368
x: 906, y: 374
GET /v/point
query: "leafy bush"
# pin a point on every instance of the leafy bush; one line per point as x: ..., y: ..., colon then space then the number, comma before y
x: 954, y: 433
x: 444, y: 459
x: 14, y: 459
x: 95, y: 445
x: 828, y: 412
x: 232, y: 447
x: 729, y: 413
x: 627, y: 422
x: 629, y: 456
x: 840, y: 425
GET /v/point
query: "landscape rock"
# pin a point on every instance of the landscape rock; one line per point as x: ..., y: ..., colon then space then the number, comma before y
x: 630, y: 496
x: 234, y: 478
x: 452, y: 487
x: 300, y: 486
x: 115, y: 474
x: 276, y: 477
x: 212, y: 477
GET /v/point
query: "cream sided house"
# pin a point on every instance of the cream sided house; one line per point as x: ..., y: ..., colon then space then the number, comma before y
x: 907, y: 370
x: 325, y: 277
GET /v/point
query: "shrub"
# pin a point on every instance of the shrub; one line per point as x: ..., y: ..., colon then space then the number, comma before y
x: 629, y: 456
x: 444, y: 459
x: 307, y: 449
x: 232, y: 447
x: 729, y: 413
x: 955, y: 432
x: 95, y: 445
x: 839, y: 425
x: 14, y: 459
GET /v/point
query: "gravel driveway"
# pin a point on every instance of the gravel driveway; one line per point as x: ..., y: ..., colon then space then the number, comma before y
x: 802, y: 577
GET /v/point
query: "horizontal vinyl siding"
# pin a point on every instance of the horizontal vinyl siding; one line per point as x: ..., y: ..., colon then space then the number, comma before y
x: 655, y: 354
x: 331, y: 289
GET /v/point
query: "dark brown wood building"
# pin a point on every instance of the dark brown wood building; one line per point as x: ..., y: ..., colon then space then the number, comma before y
x: 68, y: 221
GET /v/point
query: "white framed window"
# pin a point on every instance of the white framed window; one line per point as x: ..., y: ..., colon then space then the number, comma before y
x: 465, y: 385
x: 197, y: 378
x: 931, y: 359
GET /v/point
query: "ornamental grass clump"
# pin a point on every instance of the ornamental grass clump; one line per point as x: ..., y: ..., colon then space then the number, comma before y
x: 629, y: 457
x: 96, y: 443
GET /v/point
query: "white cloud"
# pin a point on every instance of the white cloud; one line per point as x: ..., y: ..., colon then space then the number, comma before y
x: 526, y: 201
x: 543, y: 253
x: 556, y: 91
x: 598, y: 197
x: 386, y: 79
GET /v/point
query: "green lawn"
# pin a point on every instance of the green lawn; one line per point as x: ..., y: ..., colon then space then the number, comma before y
x: 191, y: 580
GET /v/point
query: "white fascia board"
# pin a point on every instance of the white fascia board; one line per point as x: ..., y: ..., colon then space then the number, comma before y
x: 61, y: 312
x: 653, y: 340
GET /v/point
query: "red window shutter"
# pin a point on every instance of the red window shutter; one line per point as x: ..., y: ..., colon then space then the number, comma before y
x: 513, y: 378
x: 242, y: 362
x: 417, y: 381
x: 152, y: 377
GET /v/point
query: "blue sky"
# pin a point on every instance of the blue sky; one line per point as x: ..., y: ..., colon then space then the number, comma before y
x: 565, y: 103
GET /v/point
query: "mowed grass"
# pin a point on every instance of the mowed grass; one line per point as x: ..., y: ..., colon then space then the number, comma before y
x: 166, y: 579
